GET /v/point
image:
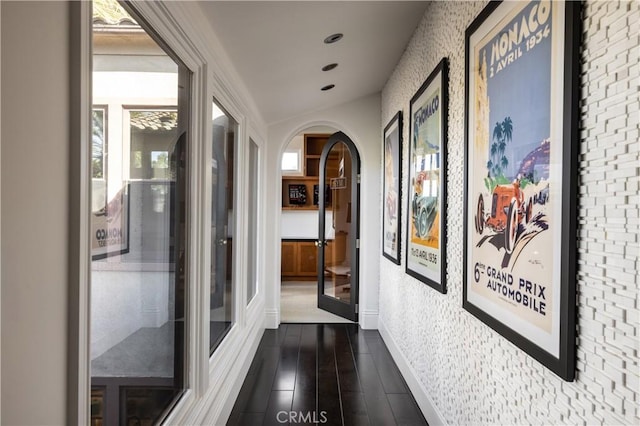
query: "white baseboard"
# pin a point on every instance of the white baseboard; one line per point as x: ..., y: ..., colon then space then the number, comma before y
x: 272, y: 318
x: 369, y: 320
x: 227, y: 407
x: 428, y: 408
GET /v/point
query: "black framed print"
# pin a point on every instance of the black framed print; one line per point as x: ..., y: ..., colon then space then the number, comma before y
x: 521, y: 128
x: 427, y: 195
x: 391, y: 211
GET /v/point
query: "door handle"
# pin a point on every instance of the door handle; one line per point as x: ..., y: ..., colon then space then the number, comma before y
x: 222, y: 242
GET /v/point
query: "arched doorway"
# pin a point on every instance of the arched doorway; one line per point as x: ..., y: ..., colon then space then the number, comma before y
x: 301, y: 211
x: 338, y: 257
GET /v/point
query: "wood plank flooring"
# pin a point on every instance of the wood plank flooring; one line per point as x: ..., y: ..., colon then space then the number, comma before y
x: 332, y: 374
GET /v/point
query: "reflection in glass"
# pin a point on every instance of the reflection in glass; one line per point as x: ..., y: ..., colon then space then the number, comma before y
x: 97, y: 407
x: 225, y: 133
x: 143, y: 405
x: 337, y: 258
x: 97, y: 143
x: 138, y: 223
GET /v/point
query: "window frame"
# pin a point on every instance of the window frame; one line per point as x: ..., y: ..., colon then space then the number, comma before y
x: 259, y: 191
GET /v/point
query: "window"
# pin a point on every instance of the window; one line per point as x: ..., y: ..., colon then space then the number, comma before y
x: 222, y: 297
x: 139, y: 228
x: 252, y: 213
x: 291, y: 161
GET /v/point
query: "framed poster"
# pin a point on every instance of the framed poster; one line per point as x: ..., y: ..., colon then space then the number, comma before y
x: 297, y: 194
x: 391, y: 212
x: 110, y: 227
x: 521, y: 129
x: 426, y: 224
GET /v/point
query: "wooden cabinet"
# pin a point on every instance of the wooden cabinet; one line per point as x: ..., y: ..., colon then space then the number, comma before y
x: 288, y: 254
x: 313, y: 145
x: 299, y: 260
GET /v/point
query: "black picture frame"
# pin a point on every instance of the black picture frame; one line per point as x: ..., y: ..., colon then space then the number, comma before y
x: 391, y: 189
x: 533, y: 82
x: 426, y: 243
x: 297, y: 194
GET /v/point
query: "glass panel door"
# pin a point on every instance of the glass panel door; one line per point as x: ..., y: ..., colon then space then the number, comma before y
x: 338, y: 251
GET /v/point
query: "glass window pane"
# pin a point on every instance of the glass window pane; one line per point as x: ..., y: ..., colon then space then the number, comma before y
x: 252, y: 235
x: 337, y: 256
x: 290, y: 161
x: 225, y: 133
x: 138, y: 237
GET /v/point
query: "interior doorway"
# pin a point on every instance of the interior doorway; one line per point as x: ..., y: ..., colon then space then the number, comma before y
x: 339, y: 195
x: 301, y: 193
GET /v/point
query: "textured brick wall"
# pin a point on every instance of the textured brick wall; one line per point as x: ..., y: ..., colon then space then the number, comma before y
x: 472, y: 374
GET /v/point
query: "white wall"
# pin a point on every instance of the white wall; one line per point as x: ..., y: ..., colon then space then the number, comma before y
x: 304, y: 224
x: 35, y: 135
x: 460, y: 370
x: 360, y: 120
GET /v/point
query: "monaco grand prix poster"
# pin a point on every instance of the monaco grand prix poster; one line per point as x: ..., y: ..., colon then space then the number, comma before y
x: 516, y: 172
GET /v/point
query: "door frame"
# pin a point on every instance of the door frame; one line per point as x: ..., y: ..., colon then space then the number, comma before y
x: 348, y: 311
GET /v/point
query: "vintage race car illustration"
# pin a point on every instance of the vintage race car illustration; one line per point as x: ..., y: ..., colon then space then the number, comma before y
x: 424, y: 205
x: 508, y: 210
x: 424, y: 210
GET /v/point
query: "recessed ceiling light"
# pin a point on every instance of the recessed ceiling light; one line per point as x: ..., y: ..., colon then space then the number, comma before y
x: 328, y: 87
x: 333, y: 38
x: 329, y: 67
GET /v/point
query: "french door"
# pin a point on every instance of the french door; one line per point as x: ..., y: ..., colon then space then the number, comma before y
x: 338, y: 235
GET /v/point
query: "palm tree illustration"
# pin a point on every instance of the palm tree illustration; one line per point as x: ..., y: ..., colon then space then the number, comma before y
x: 498, y: 162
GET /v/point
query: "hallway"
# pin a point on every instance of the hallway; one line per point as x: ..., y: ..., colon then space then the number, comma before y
x: 334, y: 374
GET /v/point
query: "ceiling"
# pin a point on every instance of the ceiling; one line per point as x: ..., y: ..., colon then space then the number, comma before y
x: 278, y: 51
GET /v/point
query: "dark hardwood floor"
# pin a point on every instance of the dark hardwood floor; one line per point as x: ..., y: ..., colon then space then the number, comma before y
x: 332, y: 374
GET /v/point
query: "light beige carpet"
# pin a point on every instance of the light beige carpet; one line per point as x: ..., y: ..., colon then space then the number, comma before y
x: 298, y: 303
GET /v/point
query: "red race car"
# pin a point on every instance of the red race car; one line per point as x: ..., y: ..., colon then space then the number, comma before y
x: 508, y: 211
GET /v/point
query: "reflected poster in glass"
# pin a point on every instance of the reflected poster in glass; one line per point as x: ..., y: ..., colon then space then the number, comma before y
x: 110, y: 227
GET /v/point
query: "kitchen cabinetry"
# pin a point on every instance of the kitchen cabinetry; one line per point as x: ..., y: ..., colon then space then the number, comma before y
x: 299, y: 261
x: 299, y: 258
